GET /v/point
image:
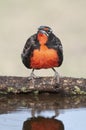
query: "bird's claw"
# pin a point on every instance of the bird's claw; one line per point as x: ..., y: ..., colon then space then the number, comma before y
x: 32, y: 76
x: 56, y: 77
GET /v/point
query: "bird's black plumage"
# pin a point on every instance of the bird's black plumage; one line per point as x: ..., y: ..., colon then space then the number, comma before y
x: 32, y: 44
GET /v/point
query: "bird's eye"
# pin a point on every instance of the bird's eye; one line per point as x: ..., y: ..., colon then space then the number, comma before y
x: 48, y: 31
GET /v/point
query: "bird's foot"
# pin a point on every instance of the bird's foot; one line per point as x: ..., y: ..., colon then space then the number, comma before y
x: 57, y: 77
x: 32, y: 78
x: 32, y: 75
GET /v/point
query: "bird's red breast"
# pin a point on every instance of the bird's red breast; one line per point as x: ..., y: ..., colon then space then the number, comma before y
x: 44, y: 57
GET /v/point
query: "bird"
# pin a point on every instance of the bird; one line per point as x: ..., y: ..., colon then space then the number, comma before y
x: 43, y: 50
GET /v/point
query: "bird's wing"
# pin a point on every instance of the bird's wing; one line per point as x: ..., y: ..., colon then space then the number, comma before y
x: 27, y: 51
x: 55, y: 43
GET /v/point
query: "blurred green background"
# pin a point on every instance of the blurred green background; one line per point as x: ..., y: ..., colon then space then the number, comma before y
x: 19, y: 19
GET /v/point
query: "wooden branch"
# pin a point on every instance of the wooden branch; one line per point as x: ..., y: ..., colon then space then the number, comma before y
x: 67, y: 86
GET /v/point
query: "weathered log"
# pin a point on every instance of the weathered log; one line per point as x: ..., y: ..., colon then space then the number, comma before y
x: 67, y: 86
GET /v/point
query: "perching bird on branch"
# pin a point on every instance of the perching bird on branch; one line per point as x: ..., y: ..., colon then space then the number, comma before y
x: 43, y: 50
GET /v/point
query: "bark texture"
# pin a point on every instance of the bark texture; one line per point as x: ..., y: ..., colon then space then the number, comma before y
x: 67, y: 86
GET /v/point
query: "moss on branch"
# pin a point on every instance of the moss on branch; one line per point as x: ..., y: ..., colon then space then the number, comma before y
x: 67, y: 86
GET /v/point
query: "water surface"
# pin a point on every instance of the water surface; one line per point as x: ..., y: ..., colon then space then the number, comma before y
x: 16, y: 110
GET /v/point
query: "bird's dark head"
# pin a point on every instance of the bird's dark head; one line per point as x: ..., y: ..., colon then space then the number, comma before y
x: 45, y: 30
x: 43, y: 34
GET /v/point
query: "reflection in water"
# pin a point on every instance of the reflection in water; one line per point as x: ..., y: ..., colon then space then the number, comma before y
x: 70, y: 110
x: 42, y: 123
